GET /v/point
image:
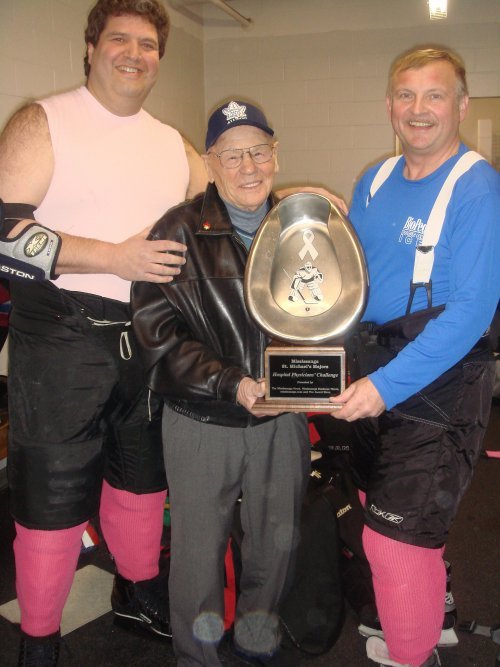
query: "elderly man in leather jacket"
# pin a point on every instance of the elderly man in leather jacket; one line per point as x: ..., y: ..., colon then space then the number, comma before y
x: 203, y: 353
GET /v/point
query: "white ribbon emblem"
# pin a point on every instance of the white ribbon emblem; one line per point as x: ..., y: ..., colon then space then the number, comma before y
x: 308, y: 238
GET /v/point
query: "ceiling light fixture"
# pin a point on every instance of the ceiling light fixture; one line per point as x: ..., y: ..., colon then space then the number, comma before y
x: 438, y: 9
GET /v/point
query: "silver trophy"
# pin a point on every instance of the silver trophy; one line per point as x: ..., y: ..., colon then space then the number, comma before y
x: 306, y: 285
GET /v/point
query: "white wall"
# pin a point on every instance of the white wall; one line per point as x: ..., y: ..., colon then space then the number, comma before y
x: 178, y: 97
x: 42, y: 50
x: 318, y: 68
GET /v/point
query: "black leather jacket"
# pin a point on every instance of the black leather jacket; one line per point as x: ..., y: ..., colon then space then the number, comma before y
x: 196, y: 337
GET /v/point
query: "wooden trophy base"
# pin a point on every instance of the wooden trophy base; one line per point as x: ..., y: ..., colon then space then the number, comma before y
x: 302, y: 378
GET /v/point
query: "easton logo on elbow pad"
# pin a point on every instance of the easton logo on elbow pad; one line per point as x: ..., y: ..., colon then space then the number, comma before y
x: 32, y: 254
x: 36, y: 244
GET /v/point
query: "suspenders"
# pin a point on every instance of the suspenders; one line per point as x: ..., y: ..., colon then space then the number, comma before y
x: 382, y: 175
x: 424, y: 253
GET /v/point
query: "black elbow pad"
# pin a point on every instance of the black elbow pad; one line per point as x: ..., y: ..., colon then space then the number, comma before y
x: 32, y: 254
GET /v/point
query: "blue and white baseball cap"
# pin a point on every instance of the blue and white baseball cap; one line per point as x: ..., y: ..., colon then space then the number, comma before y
x: 231, y: 114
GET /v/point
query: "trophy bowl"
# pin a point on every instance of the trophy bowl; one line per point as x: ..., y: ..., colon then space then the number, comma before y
x: 305, y: 286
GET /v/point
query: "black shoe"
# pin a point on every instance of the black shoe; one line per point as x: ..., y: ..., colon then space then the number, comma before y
x: 39, y: 651
x: 141, y: 605
x: 280, y: 658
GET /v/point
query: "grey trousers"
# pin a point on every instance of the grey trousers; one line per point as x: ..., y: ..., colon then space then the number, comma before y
x: 208, y: 468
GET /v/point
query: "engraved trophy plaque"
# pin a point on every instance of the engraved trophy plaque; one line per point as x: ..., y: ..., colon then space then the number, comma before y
x: 305, y: 286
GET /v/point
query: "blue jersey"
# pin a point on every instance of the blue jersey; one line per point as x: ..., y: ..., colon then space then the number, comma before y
x: 465, y: 275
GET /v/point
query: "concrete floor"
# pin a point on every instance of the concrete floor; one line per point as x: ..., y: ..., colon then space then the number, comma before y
x: 93, y: 640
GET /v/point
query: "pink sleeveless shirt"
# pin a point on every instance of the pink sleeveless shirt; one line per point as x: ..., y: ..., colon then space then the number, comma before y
x: 113, y: 176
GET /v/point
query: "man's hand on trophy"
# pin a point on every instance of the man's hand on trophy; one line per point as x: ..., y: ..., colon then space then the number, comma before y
x: 361, y: 399
x: 248, y: 392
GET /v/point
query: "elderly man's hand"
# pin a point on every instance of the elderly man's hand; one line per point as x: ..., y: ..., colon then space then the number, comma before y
x: 360, y: 399
x: 249, y: 391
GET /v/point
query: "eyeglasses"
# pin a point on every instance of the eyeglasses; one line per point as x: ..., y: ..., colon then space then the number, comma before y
x: 233, y: 157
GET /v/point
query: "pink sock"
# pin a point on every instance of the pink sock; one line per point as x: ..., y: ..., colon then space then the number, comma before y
x: 132, y: 526
x: 410, y: 584
x: 46, y: 561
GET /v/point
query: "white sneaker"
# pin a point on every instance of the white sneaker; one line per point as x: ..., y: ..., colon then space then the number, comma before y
x: 448, y: 635
x: 376, y: 650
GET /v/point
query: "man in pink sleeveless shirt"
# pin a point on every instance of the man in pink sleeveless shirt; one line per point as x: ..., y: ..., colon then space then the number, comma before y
x: 99, y: 170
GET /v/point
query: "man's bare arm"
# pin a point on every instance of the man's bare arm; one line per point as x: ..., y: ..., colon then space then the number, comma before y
x: 26, y: 168
x: 26, y: 157
x: 198, y: 178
